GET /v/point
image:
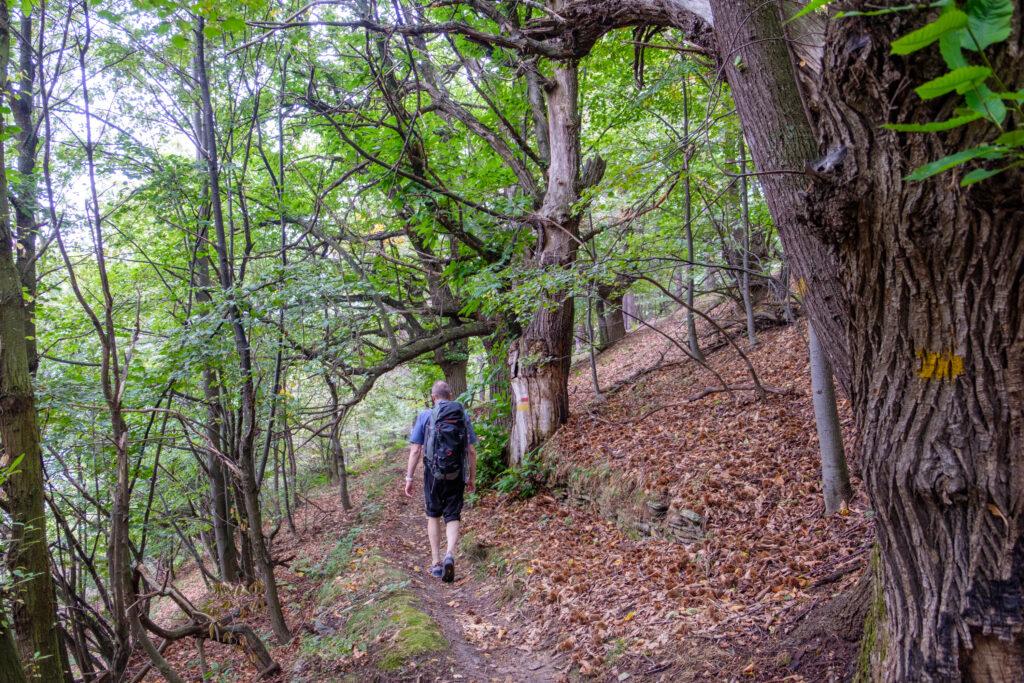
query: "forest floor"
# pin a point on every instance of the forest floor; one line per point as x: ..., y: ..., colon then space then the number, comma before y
x: 672, y: 532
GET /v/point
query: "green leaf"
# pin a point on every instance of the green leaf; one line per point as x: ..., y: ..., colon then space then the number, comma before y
x: 1013, y: 138
x: 986, y: 103
x: 109, y: 16
x: 179, y: 41
x: 948, y: 162
x: 929, y: 33
x: 810, y: 7
x: 988, y: 21
x: 933, y: 126
x: 961, y: 80
x: 233, y: 24
x: 979, y: 174
x: 212, y: 31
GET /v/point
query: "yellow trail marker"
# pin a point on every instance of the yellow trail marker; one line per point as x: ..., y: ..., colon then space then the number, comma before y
x: 944, y: 365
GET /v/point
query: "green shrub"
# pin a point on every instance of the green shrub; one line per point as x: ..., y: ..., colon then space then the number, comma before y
x: 526, y: 479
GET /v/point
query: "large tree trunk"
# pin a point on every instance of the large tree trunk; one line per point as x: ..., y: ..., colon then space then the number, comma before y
x: 453, y: 359
x: 10, y: 664
x: 540, y: 359
x: 936, y: 329
x: 34, y: 609
x: 937, y: 335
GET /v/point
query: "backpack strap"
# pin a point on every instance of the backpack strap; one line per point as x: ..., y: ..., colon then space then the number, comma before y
x: 428, y: 441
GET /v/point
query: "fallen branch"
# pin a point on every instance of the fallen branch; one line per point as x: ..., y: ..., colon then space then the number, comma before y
x: 203, y: 626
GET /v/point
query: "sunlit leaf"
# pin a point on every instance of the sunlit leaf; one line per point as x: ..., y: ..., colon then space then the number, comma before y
x: 933, y: 126
x: 961, y: 80
x: 928, y: 34
x: 948, y: 162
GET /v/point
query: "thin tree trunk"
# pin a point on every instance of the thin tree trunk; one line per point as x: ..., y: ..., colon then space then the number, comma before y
x: 226, y: 553
x: 246, y: 446
x: 747, y: 305
x: 691, y: 321
x: 337, y: 454
x: 835, y: 476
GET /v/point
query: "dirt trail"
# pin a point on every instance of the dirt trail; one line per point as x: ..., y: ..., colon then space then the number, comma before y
x: 467, y: 610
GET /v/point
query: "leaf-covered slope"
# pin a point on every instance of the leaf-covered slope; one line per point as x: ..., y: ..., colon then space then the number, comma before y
x: 748, y: 468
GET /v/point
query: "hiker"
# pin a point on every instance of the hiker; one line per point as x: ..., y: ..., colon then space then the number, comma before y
x: 444, y: 437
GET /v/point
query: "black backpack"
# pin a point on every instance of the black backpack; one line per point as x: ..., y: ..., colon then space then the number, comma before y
x: 446, y: 440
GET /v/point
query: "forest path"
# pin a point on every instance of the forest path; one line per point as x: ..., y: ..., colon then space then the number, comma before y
x: 467, y: 610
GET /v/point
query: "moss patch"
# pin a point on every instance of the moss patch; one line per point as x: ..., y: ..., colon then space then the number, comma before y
x: 403, y: 631
x: 872, y: 644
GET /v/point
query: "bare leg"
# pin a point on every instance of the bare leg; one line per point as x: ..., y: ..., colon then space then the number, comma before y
x: 434, y: 534
x: 452, y: 532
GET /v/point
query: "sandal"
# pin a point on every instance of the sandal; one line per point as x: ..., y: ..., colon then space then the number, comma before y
x: 436, y: 570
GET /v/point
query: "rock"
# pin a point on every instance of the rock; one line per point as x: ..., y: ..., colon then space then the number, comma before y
x: 685, y: 525
x: 658, y: 509
x: 327, y: 624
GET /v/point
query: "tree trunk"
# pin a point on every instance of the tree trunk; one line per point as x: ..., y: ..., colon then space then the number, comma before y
x: 835, y: 477
x: 629, y: 312
x: 34, y: 609
x: 936, y: 326
x: 613, y: 321
x: 540, y: 359
x: 453, y: 359
x: 691, y: 323
x: 771, y: 110
x: 748, y: 305
x: 338, y: 456
x: 10, y: 663
x: 224, y: 537
x: 937, y: 335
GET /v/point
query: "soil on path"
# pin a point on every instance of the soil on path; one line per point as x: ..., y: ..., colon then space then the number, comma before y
x: 467, y: 611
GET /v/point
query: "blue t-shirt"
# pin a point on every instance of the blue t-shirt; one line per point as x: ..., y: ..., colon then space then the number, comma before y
x: 419, y: 429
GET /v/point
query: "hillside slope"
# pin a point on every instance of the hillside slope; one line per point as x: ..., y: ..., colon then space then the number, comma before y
x: 674, y: 533
x: 669, y: 456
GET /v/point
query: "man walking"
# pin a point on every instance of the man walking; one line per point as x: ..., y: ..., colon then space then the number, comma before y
x: 444, y: 437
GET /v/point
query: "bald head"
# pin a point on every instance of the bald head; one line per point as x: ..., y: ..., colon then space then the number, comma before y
x: 441, y: 390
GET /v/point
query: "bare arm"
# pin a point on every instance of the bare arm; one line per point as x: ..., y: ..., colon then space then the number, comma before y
x: 415, y: 453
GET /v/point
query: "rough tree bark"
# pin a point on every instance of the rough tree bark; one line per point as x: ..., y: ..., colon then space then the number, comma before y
x: 10, y: 664
x: 540, y: 359
x: 937, y: 340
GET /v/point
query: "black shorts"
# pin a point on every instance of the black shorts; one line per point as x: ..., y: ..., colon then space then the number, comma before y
x: 443, y: 496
